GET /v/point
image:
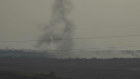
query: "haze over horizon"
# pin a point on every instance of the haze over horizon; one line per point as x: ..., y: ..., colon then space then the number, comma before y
x: 24, y: 20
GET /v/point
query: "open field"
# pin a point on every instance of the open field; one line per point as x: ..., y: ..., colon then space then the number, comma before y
x: 76, y: 68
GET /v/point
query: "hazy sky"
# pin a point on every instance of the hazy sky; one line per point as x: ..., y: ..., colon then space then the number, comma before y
x: 22, y: 20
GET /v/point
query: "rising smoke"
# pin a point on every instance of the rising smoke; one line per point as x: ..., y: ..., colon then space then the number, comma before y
x: 59, y: 31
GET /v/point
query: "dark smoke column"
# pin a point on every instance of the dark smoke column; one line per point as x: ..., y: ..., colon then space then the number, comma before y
x: 60, y: 29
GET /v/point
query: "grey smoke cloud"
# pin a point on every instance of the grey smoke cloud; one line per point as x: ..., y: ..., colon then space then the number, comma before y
x: 60, y: 29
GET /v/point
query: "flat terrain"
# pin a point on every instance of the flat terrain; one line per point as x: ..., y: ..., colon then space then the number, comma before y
x: 75, y: 68
x: 19, y: 75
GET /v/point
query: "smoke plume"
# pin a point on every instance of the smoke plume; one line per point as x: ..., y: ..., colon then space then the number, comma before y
x: 59, y: 31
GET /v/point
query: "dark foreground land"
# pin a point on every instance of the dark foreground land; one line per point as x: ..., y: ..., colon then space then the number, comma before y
x: 19, y: 75
x: 73, y: 68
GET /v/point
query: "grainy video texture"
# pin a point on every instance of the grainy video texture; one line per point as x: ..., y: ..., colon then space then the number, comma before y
x: 60, y: 29
x: 58, y: 61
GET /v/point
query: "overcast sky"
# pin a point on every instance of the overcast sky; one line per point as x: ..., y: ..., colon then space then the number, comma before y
x: 22, y: 20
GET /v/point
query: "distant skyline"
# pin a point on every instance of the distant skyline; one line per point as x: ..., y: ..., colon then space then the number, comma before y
x: 23, y: 20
